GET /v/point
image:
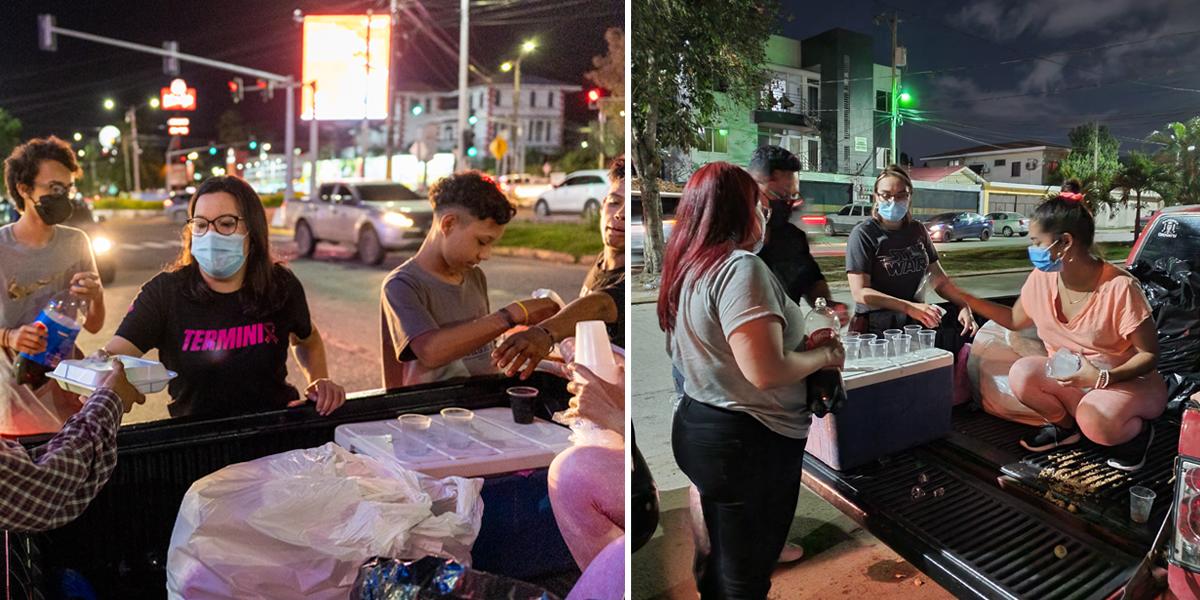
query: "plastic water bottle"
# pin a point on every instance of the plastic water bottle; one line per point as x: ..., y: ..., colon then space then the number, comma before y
x: 1064, y: 363
x: 826, y: 392
x: 62, y: 318
x: 594, y: 351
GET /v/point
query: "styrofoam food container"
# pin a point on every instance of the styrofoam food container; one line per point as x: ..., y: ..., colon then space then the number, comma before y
x: 84, y: 376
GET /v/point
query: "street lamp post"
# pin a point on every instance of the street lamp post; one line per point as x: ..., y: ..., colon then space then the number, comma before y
x: 134, y: 147
x: 517, y: 162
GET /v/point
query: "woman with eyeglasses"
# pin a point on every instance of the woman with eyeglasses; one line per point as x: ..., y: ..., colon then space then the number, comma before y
x: 887, y: 259
x: 225, y: 313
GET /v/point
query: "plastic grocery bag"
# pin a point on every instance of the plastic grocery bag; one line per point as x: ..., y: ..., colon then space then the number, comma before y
x: 993, y: 353
x: 299, y: 524
x: 429, y: 578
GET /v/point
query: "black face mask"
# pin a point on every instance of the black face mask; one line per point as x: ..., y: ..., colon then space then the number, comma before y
x: 55, y: 208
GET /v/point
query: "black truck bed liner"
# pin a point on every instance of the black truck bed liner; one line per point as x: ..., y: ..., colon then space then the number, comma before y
x: 980, y: 525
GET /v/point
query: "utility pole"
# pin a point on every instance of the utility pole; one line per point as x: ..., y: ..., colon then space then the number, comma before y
x: 393, y: 25
x: 464, y: 38
x: 365, y: 128
x: 518, y: 158
x: 895, y: 97
x: 131, y: 118
x: 313, y: 149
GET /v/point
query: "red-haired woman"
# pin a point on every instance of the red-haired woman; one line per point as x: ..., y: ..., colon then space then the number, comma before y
x: 740, y: 427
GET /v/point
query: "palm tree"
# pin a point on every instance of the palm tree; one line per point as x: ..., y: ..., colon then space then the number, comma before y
x: 1141, y: 174
x: 1180, y: 142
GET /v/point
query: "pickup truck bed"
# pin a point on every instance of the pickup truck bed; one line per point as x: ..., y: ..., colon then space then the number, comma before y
x: 993, y: 532
x: 119, y: 544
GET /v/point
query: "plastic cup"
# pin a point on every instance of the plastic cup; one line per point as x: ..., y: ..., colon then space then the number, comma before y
x: 522, y: 398
x: 1141, y: 500
x: 415, y: 431
x: 458, y: 427
x: 594, y: 350
x: 926, y: 339
x: 902, y: 344
x: 878, y: 349
x: 890, y: 335
x: 853, y: 348
x: 912, y: 330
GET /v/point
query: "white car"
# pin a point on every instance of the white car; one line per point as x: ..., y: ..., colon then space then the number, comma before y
x: 580, y: 193
x: 844, y: 220
x: 635, y: 231
x: 373, y: 216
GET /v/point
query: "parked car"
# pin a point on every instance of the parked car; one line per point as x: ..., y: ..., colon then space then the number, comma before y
x: 636, y: 229
x: 524, y: 189
x: 83, y: 218
x: 954, y: 226
x: 1009, y: 224
x: 845, y: 219
x: 175, y: 207
x: 580, y: 193
x: 374, y: 217
x: 986, y: 519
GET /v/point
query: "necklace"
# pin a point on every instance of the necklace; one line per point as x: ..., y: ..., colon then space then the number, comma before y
x: 1066, y: 292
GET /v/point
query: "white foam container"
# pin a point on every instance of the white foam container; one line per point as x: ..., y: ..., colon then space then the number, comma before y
x: 84, y: 376
x: 497, y: 445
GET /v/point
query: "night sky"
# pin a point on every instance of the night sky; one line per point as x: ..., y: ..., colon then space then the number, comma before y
x: 1006, y: 70
x: 62, y: 92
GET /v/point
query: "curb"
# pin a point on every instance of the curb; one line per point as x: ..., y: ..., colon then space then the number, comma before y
x: 126, y: 213
x: 535, y: 254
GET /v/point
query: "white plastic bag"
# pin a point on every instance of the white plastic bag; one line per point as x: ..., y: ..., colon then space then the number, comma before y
x: 993, y: 352
x: 299, y: 524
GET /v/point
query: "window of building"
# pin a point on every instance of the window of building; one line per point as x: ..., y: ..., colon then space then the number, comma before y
x: 813, y: 155
x: 714, y: 140
x: 978, y: 168
x: 814, y: 97
x: 532, y: 99
x: 956, y: 162
x: 1000, y: 162
x: 882, y: 158
x: 550, y: 99
x: 775, y: 93
x: 882, y: 101
x: 1016, y: 168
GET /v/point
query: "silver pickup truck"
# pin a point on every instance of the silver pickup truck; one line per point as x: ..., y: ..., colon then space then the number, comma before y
x: 374, y: 217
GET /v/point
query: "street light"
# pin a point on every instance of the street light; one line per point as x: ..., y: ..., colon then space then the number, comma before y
x: 78, y: 136
x: 155, y: 103
x: 518, y: 156
x: 109, y: 104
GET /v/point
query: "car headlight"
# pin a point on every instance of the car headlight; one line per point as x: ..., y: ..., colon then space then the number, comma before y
x: 396, y: 219
x: 101, y: 244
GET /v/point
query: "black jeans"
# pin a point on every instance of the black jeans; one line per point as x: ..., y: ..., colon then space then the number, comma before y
x: 749, y: 481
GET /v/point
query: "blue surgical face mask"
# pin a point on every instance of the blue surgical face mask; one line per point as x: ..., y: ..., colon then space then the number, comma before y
x: 219, y: 255
x: 1040, y: 257
x: 892, y: 210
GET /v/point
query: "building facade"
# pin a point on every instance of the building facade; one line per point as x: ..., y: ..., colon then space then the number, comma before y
x: 1026, y: 162
x: 432, y: 114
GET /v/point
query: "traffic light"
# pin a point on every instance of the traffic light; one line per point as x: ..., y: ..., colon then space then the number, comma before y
x: 472, y: 119
x: 906, y: 98
x: 468, y: 137
x: 212, y: 150
x: 593, y: 97
x: 183, y: 158
x: 235, y: 89
x: 417, y: 109
x: 254, y: 144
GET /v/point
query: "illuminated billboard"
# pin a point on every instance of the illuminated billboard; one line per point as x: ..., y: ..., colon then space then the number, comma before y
x: 335, y: 56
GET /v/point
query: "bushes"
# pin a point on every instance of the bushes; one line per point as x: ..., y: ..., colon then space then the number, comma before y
x: 126, y: 203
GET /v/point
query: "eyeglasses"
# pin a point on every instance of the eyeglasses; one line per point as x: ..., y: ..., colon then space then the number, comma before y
x: 59, y: 189
x: 901, y: 197
x: 224, y: 224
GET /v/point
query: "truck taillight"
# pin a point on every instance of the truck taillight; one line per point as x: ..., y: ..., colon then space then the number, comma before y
x: 1185, y: 545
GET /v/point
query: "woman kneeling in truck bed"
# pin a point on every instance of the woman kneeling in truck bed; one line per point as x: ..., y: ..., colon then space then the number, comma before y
x: 1082, y: 304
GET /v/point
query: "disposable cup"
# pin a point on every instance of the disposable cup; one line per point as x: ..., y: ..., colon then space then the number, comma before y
x: 523, y: 399
x: 594, y: 350
x: 867, y: 338
x: 1141, y: 500
x: 458, y: 426
x: 414, y: 430
x: 890, y: 335
x: 853, y: 348
x: 927, y: 338
x: 912, y: 330
x: 902, y: 344
x: 878, y: 349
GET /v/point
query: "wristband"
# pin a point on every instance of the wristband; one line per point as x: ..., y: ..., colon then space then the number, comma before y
x: 1102, y: 379
x: 524, y: 310
x: 547, y: 332
x: 509, y: 321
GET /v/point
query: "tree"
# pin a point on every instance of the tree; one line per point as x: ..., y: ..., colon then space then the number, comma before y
x: 610, y: 68
x: 1179, y: 142
x: 1094, y: 161
x: 1139, y: 174
x: 10, y: 133
x: 691, y: 59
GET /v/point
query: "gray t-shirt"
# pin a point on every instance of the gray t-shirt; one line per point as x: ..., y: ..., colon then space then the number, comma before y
x: 415, y: 302
x: 30, y: 277
x: 736, y: 291
x: 896, y: 260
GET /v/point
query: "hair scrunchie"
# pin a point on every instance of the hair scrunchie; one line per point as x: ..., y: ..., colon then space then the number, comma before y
x: 1072, y: 196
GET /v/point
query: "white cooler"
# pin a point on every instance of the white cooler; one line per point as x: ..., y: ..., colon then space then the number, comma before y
x: 498, y: 445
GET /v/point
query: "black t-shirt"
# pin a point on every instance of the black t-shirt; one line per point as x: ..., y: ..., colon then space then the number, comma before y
x: 228, y: 363
x: 896, y: 260
x: 787, y: 254
x: 611, y: 283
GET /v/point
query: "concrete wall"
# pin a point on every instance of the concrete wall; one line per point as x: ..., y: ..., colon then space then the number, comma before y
x: 826, y: 193
x: 843, y: 58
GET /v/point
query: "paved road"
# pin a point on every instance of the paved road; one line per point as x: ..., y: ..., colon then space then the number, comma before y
x: 343, y: 297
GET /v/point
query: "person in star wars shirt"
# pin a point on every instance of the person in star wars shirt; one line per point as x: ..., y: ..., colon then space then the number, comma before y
x: 225, y: 314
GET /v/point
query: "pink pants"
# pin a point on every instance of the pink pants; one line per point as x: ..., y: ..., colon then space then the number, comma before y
x: 587, y: 493
x: 604, y: 579
x: 1110, y: 416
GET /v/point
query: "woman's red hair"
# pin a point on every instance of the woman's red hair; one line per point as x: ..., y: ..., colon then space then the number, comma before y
x: 715, y: 216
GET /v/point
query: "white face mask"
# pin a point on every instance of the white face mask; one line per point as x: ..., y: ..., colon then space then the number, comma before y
x: 761, y: 215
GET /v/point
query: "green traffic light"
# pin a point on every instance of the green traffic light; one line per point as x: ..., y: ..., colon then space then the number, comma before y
x: 417, y: 109
x: 472, y: 151
x: 212, y: 150
x: 905, y: 97
x: 472, y: 119
x: 253, y: 145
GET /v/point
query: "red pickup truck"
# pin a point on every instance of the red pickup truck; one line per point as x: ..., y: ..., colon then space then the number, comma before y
x: 1003, y: 528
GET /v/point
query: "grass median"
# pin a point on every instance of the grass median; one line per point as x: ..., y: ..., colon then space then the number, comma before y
x: 975, y: 260
x: 577, y: 239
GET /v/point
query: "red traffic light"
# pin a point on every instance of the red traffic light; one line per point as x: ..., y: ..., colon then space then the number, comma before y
x: 233, y: 86
x: 593, y: 95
